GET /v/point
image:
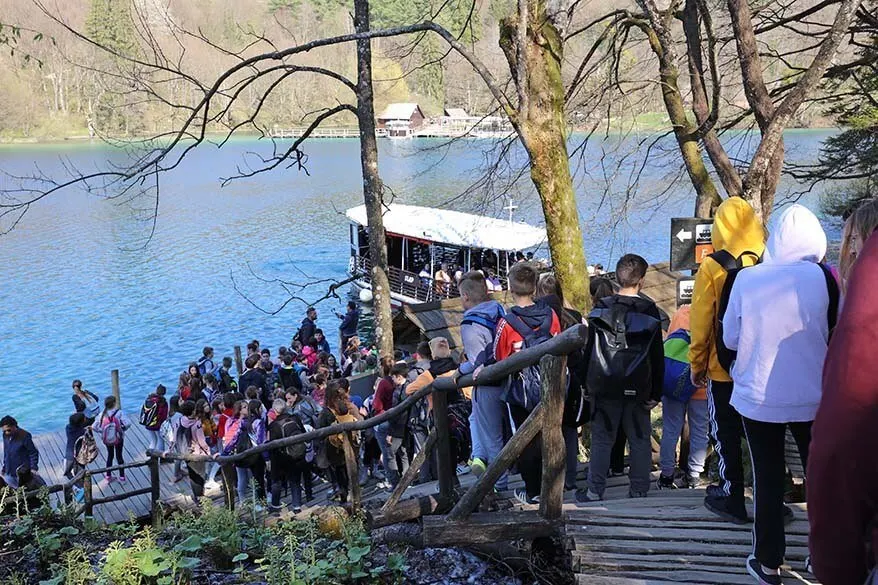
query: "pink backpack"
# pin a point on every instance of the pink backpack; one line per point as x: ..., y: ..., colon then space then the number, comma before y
x: 111, y: 432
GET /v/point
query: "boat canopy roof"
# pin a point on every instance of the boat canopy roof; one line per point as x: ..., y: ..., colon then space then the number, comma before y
x: 455, y: 228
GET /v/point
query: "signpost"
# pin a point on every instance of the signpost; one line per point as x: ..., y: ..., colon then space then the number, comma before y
x: 690, y: 242
x: 685, y: 286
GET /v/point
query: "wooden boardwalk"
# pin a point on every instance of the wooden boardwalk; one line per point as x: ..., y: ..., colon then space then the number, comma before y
x: 666, y: 537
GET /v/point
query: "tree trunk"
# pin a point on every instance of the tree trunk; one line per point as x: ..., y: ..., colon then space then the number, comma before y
x: 662, y: 44
x: 373, y: 188
x: 543, y: 130
x: 705, y: 115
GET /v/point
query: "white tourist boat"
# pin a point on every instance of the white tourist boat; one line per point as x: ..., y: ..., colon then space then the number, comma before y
x: 421, y: 239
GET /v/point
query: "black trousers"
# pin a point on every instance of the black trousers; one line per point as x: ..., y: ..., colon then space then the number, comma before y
x: 727, y: 431
x: 530, y: 463
x: 196, y: 478
x: 617, y: 455
x: 117, y: 451
x: 767, y: 445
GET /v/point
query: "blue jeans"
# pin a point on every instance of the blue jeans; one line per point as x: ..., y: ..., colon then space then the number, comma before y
x: 673, y: 412
x: 388, y: 454
x: 486, y: 426
x: 156, y: 442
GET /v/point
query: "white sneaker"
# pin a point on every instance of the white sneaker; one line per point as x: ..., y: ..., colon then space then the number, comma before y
x: 212, y: 485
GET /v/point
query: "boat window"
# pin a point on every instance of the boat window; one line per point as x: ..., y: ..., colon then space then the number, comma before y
x: 394, y: 251
x: 417, y: 256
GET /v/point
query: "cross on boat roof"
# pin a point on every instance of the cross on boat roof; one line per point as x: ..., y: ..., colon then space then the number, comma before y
x: 455, y: 228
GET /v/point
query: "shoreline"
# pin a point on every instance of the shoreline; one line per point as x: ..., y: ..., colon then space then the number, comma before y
x: 83, y: 140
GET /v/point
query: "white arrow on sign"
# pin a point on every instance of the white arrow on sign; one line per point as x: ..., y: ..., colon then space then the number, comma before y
x: 683, y: 235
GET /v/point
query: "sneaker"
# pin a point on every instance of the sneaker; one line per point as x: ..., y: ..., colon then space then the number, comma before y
x: 211, y: 485
x: 808, y: 568
x: 616, y: 472
x: 665, y: 483
x: 275, y: 510
x: 478, y: 467
x: 381, y: 485
x: 259, y: 508
x: 108, y: 479
x: 463, y: 469
x: 78, y: 494
x: 722, y: 508
x: 521, y: 496
x: 584, y: 496
x: 297, y: 510
x: 122, y: 478
x: 693, y: 482
x: 762, y: 576
x: 634, y: 494
x: 788, y: 515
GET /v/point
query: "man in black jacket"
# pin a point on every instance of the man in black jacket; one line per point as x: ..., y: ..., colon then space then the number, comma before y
x: 253, y: 376
x: 348, y: 327
x: 309, y: 326
x: 624, y: 397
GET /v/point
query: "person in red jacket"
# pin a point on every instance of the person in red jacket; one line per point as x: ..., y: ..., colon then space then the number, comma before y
x: 842, y: 471
x: 539, y: 317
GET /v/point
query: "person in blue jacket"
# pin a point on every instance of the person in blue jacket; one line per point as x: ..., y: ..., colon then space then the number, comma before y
x: 18, y: 451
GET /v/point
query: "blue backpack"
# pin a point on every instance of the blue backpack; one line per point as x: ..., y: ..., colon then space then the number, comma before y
x: 678, y: 383
x: 488, y: 355
x: 523, y: 388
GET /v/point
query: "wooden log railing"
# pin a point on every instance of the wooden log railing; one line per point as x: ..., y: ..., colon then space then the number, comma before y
x: 544, y: 420
x: 86, y: 477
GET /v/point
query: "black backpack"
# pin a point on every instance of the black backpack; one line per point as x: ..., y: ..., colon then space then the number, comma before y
x: 620, y: 344
x: 397, y: 398
x: 524, y: 388
x: 291, y: 427
x: 733, y: 266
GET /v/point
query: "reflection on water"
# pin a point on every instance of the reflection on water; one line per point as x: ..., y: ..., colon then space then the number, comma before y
x: 79, y: 297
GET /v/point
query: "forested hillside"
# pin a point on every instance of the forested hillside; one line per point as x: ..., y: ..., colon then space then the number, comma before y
x: 54, y: 84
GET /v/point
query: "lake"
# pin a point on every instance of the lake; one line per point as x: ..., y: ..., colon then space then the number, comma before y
x: 81, y: 294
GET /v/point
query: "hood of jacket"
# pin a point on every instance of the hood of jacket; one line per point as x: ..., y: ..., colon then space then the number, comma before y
x: 490, y: 310
x: 536, y: 315
x: 796, y: 236
x: 189, y: 423
x: 737, y: 229
x: 442, y: 366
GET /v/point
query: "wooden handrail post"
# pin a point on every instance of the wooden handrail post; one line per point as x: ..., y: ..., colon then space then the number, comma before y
x: 87, y: 495
x: 507, y: 456
x: 114, y: 381
x: 156, y: 490
x: 410, y: 473
x: 351, y: 461
x: 444, y: 467
x: 552, y: 369
x: 239, y: 362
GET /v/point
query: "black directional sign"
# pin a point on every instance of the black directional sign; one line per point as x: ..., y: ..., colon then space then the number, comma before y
x: 685, y: 286
x: 690, y: 242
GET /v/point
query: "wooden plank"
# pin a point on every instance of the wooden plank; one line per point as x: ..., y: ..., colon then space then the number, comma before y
x: 444, y: 467
x: 554, y: 453
x: 608, y: 580
x: 674, y: 535
x: 410, y: 473
x: 658, y: 547
x: 684, y: 576
x: 799, y: 527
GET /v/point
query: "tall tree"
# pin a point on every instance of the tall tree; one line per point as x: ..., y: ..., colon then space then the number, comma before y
x: 373, y: 188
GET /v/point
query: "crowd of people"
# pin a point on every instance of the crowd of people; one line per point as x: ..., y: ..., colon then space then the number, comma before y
x: 750, y: 358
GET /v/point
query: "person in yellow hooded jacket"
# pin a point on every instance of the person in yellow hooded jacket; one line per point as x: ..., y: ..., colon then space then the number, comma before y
x: 738, y: 231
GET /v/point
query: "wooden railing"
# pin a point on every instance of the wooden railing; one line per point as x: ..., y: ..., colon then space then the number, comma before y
x: 86, y: 478
x: 544, y: 420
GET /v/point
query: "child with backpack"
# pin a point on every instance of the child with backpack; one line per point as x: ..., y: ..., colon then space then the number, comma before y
x: 526, y: 324
x: 111, y: 426
x: 288, y: 464
x: 244, y: 430
x: 168, y: 432
x: 152, y: 414
x: 681, y: 400
x: 331, y: 451
x: 191, y: 441
x: 624, y: 378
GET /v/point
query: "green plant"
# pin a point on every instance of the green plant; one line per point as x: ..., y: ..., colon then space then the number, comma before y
x: 145, y: 562
x: 76, y: 570
x: 217, y: 529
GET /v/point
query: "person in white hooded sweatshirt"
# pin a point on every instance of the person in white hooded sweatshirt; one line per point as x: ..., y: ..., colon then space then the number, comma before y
x: 778, y: 319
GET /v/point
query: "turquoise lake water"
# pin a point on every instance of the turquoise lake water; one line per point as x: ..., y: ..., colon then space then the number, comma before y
x: 80, y: 295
